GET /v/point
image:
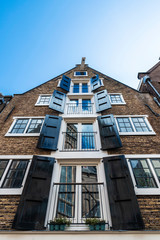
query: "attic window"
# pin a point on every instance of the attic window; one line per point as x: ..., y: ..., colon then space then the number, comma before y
x: 80, y: 73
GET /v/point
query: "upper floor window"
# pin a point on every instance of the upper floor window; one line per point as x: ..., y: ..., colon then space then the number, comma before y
x: 80, y: 88
x: 12, y: 175
x: 43, y: 100
x: 116, y: 98
x: 25, y: 126
x: 80, y: 73
x: 136, y: 125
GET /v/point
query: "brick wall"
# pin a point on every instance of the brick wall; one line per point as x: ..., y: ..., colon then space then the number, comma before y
x: 8, y: 208
x: 150, y: 210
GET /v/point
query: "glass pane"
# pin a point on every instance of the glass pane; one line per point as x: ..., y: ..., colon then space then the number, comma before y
x: 3, y: 164
x: 71, y: 136
x: 90, y: 192
x: 124, y: 125
x: 88, y: 140
x: 76, y: 88
x: 84, y: 88
x: 73, y: 106
x: 142, y: 173
x: 15, y: 175
x: 140, y: 124
x: 35, y: 126
x: 66, y: 195
x: 86, y: 105
x: 20, y: 126
x: 156, y: 165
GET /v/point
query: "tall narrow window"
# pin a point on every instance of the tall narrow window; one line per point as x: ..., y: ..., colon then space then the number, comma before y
x: 3, y: 164
x: 86, y: 105
x: 90, y: 193
x: 66, y: 196
x: 71, y: 137
x: 142, y: 173
x: 76, y: 88
x: 84, y: 88
x: 156, y: 165
x: 87, y: 136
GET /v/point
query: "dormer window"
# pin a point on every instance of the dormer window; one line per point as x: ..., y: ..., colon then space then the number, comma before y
x: 80, y: 73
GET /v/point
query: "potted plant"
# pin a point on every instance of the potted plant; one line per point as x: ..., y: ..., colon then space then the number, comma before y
x: 95, y: 224
x: 58, y: 224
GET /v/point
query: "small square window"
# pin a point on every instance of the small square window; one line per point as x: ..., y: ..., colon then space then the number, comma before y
x: 116, y: 98
x: 80, y: 73
x: 43, y: 100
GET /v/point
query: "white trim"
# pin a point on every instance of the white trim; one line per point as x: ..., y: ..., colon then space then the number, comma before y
x: 145, y: 191
x: 9, y: 134
x: 121, y: 96
x: 40, y: 104
x: 151, y: 132
x: 13, y: 191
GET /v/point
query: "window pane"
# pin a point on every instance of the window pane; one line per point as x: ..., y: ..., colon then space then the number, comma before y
x: 115, y: 98
x: 90, y: 193
x: 142, y: 173
x: 71, y: 136
x: 20, y: 126
x: 156, y: 165
x: 76, y: 88
x: 66, y: 195
x: 44, y: 99
x: 81, y: 73
x: 15, y: 175
x: 88, y: 141
x: 3, y: 164
x: 140, y: 124
x: 84, y: 88
x: 73, y: 106
x: 124, y: 125
x: 86, y: 105
x: 35, y: 126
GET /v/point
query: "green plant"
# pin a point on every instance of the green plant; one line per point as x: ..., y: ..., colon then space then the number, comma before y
x: 94, y: 221
x: 60, y: 221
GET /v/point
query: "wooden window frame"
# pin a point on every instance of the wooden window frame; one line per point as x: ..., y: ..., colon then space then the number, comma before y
x: 25, y: 134
x: 119, y: 103
x: 43, y: 95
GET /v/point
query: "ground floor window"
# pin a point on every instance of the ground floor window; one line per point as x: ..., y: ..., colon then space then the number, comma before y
x: 78, y: 193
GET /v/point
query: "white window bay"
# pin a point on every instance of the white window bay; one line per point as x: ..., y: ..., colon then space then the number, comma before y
x: 25, y: 126
x: 133, y: 125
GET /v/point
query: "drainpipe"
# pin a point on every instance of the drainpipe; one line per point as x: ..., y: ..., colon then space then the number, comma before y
x: 146, y: 79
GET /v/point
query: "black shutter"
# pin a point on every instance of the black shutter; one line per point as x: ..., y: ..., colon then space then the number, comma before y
x: 108, y: 132
x: 125, y: 213
x: 58, y: 101
x: 95, y: 82
x: 65, y: 83
x: 49, y: 135
x: 32, y: 208
x: 102, y: 101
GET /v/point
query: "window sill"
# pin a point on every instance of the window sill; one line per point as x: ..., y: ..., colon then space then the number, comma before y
x: 11, y: 191
x: 136, y: 133
x: 22, y: 135
x: 118, y: 103
x: 41, y: 105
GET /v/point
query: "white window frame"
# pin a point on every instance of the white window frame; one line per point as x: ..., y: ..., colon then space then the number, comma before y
x: 151, y: 132
x: 43, y: 95
x: 121, y: 96
x: 80, y: 75
x: 145, y: 191
x: 14, y: 191
x: 9, y: 134
x: 52, y: 203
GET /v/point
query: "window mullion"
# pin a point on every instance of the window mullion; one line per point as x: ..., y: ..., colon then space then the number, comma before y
x: 27, y: 125
x: 134, y: 129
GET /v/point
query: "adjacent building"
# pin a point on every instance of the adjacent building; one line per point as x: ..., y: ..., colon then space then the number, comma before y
x: 82, y: 145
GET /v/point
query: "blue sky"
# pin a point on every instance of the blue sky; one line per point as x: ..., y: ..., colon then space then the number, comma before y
x: 40, y: 39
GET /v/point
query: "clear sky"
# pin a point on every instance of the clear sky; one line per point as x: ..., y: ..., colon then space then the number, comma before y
x: 40, y: 39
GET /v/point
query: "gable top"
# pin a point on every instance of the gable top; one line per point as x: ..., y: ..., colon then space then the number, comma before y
x: 78, y: 67
x: 141, y: 74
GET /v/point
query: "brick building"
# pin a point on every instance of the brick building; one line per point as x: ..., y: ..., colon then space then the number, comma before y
x: 150, y: 82
x: 81, y: 145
